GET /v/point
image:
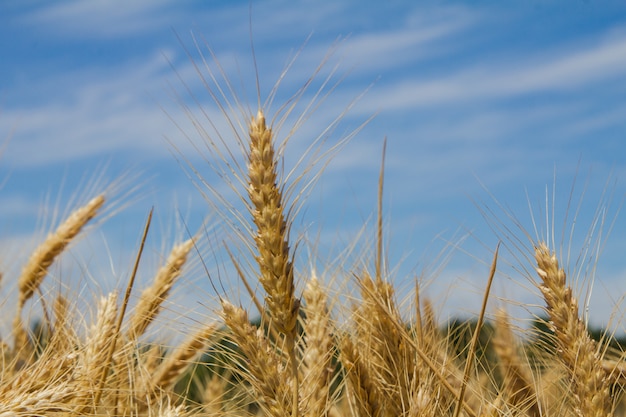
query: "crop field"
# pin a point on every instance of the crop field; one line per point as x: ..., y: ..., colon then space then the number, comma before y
x: 300, y: 347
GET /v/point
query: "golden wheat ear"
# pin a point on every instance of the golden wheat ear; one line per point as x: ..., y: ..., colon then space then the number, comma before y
x: 42, y: 258
x: 318, y: 351
x: 576, y: 348
x: 272, y: 241
x: 272, y: 237
x: 519, y: 388
x: 262, y: 364
x: 151, y: 298
x: 92, y: 360
x: 166, y: 373
x: 361, y: 388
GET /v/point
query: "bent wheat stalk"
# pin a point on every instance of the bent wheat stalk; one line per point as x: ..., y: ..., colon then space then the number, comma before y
x: 37, y: 267
x: 166, y: 374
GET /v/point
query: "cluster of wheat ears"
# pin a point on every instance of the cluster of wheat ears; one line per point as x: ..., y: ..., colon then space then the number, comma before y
x: 298, y: 359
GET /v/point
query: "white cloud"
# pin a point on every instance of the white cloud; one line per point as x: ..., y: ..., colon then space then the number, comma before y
x: 92, y: 112
x: 603, y: 62
x: 99, y: 18
x: 442, y: 127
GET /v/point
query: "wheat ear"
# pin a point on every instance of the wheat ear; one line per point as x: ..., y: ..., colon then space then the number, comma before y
x: 318, y: 351
x: 173, y: 366
x: 95, y: 354
x: 50, y: 400
x: 362, y: 388
x: 576, y: 349
x: 272, y: 241
x: 213, y: 396
x: 61, y: 310
x: 41, y: 259
x: 63, y: 335
x: 390, y: 362
x: 518, y: 381
x: 262, y: 365
x: 151, y: 298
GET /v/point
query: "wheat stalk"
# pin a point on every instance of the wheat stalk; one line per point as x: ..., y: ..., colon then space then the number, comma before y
x: 262, y: 364
x: 318, y: 351
x: 151, y: 298
x: 37, y: 266
x: 272, y: 241
x: 184, y: 355
x: 94, y: 356
x: 272, y: 238
x: 518, y: 381
x: 576, y: 349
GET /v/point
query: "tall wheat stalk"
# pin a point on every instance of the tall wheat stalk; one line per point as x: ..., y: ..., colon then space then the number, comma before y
x: 272, y: 240
x: 577, y: 350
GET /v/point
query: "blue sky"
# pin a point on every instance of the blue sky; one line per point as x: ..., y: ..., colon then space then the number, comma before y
x: 479, y: 101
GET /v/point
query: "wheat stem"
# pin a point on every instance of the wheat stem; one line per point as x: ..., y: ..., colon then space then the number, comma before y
x: 479, y: 324
x: 120, y: 319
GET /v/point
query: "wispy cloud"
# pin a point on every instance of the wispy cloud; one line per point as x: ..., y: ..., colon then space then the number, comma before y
x: 99, y: 19
x: 516, y: 77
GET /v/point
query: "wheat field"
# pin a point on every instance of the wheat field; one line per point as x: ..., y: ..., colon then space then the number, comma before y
x: 291, y: 353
